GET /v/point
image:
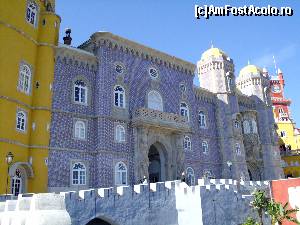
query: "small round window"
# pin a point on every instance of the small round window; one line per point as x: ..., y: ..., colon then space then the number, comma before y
x: 153, y: 72
x: 119, y: 68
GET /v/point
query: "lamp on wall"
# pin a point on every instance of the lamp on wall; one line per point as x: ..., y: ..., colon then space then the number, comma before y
x: 9, y: 160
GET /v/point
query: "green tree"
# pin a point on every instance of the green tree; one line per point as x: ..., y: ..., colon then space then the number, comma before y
x: 279, y: 213
x: 260, y: 203
x: 250, y: 221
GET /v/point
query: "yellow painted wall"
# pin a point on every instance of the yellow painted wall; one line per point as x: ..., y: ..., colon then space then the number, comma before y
x: 293, y: 170
x: 34, y: 45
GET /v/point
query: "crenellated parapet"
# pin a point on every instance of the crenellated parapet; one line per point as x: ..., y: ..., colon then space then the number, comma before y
x: 205, y: 95
x: 127, y: 46
x: 75, y: 56
x: 167, y: 203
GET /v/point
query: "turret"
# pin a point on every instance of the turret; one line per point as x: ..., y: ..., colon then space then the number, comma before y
x: 216, y: 71
x: 254, y: 81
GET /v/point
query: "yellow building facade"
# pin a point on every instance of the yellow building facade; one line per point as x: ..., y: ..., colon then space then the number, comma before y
x: 289, y: 135
x: 29, y: 34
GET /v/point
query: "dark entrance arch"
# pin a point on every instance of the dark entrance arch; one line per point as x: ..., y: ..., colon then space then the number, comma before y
x: 98, y: 221
x: 157, y: 163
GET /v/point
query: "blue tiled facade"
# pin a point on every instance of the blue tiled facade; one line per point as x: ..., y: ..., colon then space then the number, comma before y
x: 94, y: 63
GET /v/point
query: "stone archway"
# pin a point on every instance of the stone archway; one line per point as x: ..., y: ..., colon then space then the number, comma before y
x: 98, y: 221
x: 157, y: 163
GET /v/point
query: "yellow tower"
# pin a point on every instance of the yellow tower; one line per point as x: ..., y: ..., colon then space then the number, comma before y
x: 289, y: 135
x: 29, y: 35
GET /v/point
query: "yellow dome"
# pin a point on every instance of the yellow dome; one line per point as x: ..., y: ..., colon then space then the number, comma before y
x: 250, y: 69
x: 215, y: 52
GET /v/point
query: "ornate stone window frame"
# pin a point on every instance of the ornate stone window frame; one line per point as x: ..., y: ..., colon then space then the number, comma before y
x: 36, y: 20
x: 87, y: 173
x: 88, y: 90
x: 25, y: 120
x: 207, y: 146
x: 24, y: 63
x: 124, y: 96
x: 206, y: 118
x: 208, y: 171
x: 187, y: 171
x: 238, y: 149
x: 190, y: 141
x: 189, y: 114
x: 115, y: 173
x: 147, y: 98
x: 85, y: 121
x: 124, y: 125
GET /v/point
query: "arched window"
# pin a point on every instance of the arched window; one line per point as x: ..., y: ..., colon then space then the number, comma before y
x: 80, y: 130
x: 155, y: 101
x: 208, y: 174
x: 21, y: 121
x: 187, y: 144
x: 80, y: 92
x: 78, y: 174
x: 31, y: 13
x: 190, y: 176
x: 16, y: 183
x: 184, y: 110
x: 120, y: 174
x: 202, y: 119
x: 254, y: 127
x: 246, y: 127
x: 236, y: 124
x: 24, y: 79
x: 204, y: 147
x: 237, y: 148
x: 120, y: 133
x: 119, y: 94
x: 280, y: 110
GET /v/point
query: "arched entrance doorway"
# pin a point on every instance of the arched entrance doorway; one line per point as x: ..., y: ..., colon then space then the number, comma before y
x: 98, y: 221
x: 157, y: 163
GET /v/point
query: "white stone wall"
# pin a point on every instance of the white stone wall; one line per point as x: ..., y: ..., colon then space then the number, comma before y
x: 210, y: 202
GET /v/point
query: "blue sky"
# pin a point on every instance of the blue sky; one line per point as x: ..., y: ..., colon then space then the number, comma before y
x: 170, y: 26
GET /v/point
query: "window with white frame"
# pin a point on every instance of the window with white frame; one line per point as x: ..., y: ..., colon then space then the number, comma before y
x: 190, y: 176
x: 119, y: 94
x: 21, y: 120
x: 246, y: 127
x: 204, y: 147
x: 78, y: 174
x: 24, y: 79
x: 80, y: 92
x: 120, y: 174
x: 80, y: 129
x: 31, y: 13
x: 16, y: 183
x: 155, y: 101
x: 184, y: 110
x: 187, y: 144
x: 202, y: 119
x: 254, y: 126
x: 238, y: 149
x: 120, y: 133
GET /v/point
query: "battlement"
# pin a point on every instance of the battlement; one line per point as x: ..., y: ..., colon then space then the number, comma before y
x: 173, y: 198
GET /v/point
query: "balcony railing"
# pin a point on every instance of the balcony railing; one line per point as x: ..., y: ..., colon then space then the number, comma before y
x: 151, y: 117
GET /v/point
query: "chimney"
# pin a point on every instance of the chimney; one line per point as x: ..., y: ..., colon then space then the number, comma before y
x: 67, y: 39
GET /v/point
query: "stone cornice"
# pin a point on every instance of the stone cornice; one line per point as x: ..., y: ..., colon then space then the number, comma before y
x: 204, y: 95
x: 76, y: 56
x: 244, y: 99
x: 128, y: 46
x: 24, y: 104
